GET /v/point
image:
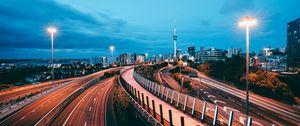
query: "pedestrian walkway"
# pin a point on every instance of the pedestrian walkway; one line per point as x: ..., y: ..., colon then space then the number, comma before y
x: 156, y: 102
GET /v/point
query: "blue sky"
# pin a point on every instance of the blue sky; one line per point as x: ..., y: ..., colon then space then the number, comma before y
x: 88, y: 28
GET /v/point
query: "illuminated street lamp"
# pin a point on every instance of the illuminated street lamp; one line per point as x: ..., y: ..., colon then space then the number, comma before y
x: 52, y: 30
x: 112, y: 49
x: 146, y: 56
x: 160, y: 57
x: 247, y: 22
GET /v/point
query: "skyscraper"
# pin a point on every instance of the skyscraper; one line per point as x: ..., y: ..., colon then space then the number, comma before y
x: 191, y: 51
x: 174, y: 39
x: 293, y: 44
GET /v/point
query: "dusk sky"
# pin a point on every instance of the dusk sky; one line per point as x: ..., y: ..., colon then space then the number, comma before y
x: 86, y: 28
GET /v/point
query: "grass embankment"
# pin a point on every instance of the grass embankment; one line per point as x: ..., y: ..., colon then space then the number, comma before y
x: 125, y: 111
x: 148, y: 71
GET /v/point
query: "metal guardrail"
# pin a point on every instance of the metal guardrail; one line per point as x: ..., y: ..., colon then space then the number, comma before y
x: 137, y: 103
x: 15, y: 107
x: 202, y: 110
x: 50, y: 116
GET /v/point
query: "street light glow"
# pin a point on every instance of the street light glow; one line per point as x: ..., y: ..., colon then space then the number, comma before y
x: 112, y: 48
x: 51, y: 30
x: 247, y: 21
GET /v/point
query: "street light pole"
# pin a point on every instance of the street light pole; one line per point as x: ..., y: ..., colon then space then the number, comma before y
x: 52, y: 31
x: 52, y: 43
x: 247, y: 22
x: 247, y: 70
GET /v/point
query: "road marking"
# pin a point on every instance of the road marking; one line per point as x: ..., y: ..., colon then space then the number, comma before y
x: 228, y: 108
x: 94, y: 99
x: 211, y: 96
x: 106, y: 100
x: 85, y: 123
x: 23, y: 117
x: 77, y: 106
x: 90, y: 109
x: 216, y: 101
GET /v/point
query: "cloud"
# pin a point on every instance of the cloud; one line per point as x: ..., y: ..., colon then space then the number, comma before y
x: 232, y: 6
x: 23, y: 25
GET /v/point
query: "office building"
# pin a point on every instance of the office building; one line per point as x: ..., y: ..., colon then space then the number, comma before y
x: 94, y: 60
x: 192, y: 51
x: 233, y: 51
x: 293, y: 45
x: 211, y: 54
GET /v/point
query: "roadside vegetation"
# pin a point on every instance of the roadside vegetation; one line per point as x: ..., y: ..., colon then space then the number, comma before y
x: 148, y: 71
x: 126, y: 114
x: 175, y: 73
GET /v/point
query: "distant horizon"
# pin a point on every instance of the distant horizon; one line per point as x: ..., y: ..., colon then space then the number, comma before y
x: 117, y: 54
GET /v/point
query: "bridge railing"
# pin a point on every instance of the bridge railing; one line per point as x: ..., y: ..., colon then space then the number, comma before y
x: 136, y: 101
x: 206, y: 112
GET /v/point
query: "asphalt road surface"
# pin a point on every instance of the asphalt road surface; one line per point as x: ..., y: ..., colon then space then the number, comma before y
x: 5, y: 96
x: 88, y: 109
x: 32, y: 113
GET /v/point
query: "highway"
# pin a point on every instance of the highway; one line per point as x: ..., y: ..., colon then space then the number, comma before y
x: 7, y: 95
x: 32, y: 113
x: 260, y: 106
x: 232, y: 99
x: 168, y: 79
x: 89, y: 108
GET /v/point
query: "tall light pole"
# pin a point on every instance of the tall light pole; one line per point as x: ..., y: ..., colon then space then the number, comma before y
x: 52, y: 30
x: 112, y: 49
x: 266, y: 49
x: 247, y: 22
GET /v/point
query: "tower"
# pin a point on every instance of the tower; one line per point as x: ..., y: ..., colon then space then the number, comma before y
x: 174, y: 39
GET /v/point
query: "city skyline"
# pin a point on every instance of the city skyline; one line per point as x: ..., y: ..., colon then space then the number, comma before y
x: 88, y: 29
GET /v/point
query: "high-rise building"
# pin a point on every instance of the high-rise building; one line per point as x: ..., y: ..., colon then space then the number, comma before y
x: 94, y: 60
x: 140, y: 58
x: 178, y: 52
x: 198, y: 57
x: 103, y: 60
x: 233, y: 51
x: 174, y: 39
x: 211, y: 54
x: 293, y: 44
x: 192, y: 51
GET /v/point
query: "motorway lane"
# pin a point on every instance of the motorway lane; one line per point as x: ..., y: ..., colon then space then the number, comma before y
x: 265, y: 107
x: 212, y: 96
x: 33, y: 112
x: 88, y: 109
x: 5, y: 96
x: 169, y: 80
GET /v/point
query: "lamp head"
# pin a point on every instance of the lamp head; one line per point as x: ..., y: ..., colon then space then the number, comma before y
x: 51, y: 30
x: 247, y: 21
x: 111, y: 48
